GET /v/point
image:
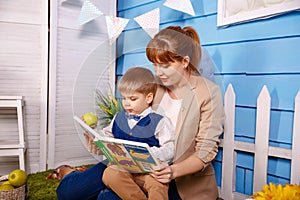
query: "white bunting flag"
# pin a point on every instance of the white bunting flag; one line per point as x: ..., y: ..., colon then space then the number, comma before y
x: 88, y: 13
x: 149, y: 21
x: 62, y: 1
x: 115, y: 25
x: 73, y: 3
x: 181, y: 5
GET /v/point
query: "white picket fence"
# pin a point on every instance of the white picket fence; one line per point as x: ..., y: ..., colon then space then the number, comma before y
x: 260, y: 148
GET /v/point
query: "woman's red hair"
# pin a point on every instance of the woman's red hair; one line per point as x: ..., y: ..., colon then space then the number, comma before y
x: 173, y: 44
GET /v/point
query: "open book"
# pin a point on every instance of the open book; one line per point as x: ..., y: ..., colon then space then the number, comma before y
x: 135, y: 157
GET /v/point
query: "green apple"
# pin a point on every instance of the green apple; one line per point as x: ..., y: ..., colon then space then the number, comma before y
x: 17, y: 177
x: 90, y: 119
x: 6, y: 187
x: 5, y: 182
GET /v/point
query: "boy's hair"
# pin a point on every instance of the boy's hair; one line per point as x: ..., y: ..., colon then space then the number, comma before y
x: 138, y: 79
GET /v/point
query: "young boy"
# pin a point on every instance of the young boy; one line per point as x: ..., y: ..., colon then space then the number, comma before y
x: 138, y: 122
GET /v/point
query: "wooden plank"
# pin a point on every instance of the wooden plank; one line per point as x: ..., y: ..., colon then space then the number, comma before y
x: 278, y: 58
x: 275, y: 152
x: 295, y: 164
x: 281, y: 126
x: 272, y: 151
x: 248, y: 182
x: 261, y: 139
x: 21, y: 121
x: 253, y: 33
x: 75, y: 72
x: 280, y: 152
x: 218, y: 171
x: 228, y: 165
x: 22, y: 11
x: 168, y: 16
x: 23, y: 66
x: 211, y: 35
x: 239, y: 196
x: 240, y: 181
x: 205, y: 6
x: 131, y: 5
x: 279, y: 180
x: 69, y: 11
x: 279, y: 168
x: 248, y: 88
x: 10, y: 97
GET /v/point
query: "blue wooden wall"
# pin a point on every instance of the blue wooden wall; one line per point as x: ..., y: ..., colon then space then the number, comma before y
x: 248, y: 55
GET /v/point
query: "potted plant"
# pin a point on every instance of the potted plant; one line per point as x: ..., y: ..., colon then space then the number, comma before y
x: 108, y: 106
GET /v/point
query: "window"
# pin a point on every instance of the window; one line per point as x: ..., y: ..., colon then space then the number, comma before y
x: 238, y: 11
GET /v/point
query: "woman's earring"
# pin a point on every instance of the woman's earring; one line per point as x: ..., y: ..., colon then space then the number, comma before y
x: 187, y: 61
x: 187, y: 58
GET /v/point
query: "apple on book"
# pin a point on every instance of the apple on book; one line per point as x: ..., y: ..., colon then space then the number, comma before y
x: 90, y: 119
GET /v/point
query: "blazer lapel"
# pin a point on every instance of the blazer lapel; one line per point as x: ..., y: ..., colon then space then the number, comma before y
x: 185, y: 108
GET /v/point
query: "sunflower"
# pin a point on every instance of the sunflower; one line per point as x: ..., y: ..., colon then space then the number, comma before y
x: 278, y: 192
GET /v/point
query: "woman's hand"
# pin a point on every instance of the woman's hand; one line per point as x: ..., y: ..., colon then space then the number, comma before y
x: 163, y: 173
x: 91, y: 146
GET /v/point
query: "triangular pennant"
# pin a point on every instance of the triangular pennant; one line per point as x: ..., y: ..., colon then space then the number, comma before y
x: 181, y: 5
x: 69, y: 3
x: 149, y: 21
x: 88, y: 12
x: 62, y: 1
x: 115, y: 25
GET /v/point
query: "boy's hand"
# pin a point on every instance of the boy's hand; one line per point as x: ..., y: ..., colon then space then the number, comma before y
x: 91, y: 146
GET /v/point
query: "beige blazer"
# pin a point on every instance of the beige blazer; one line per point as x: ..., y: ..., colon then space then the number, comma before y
x: 199, y: 125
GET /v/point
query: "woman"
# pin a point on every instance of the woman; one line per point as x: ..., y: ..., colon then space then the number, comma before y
x: 195, y: 105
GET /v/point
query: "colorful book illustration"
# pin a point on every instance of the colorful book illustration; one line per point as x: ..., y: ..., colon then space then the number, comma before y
x: 135, y: 157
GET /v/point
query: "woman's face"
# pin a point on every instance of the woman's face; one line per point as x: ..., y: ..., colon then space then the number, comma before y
x: 171, y: 74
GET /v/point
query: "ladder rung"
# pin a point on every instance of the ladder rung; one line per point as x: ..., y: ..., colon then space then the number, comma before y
x: 10, y: 97
x: 12, y: 146
x: 10, y: 103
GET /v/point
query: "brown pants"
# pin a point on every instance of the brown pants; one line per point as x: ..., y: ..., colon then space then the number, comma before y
x: 131, y: 186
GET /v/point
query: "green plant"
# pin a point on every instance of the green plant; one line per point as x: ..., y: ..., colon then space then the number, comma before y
x: 108, y: 106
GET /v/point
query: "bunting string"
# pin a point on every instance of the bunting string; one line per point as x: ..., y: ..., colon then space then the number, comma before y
x: 149, y: 21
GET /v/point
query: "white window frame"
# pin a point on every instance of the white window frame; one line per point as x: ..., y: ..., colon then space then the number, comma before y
x: 269, y: 11
x: 65, y: 151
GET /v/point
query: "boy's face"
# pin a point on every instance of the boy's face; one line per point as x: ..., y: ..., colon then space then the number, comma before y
x: 135, y: 103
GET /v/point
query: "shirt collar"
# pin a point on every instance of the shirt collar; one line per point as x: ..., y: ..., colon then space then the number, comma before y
x: 145, y: 112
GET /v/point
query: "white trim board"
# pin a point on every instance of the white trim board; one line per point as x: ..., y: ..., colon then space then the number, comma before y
x: 245, y: 10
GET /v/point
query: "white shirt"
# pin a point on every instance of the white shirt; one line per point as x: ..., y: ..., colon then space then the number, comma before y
x: 164, y: 132
x: 169, y: 108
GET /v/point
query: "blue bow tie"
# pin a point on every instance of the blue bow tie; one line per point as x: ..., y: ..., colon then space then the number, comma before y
x: 135, y: 117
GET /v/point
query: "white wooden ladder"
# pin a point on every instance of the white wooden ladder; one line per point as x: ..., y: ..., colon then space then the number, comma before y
x: 16, y: 148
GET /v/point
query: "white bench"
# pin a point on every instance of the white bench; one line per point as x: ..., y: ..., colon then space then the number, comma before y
x: 8, y: 148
